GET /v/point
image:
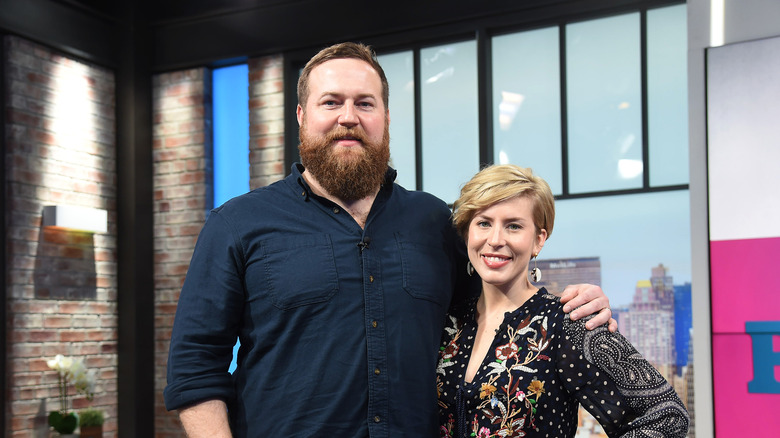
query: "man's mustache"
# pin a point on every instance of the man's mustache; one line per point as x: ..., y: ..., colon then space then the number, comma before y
x: 342, y: 133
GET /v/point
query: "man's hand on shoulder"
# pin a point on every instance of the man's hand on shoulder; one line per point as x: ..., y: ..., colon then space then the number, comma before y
x: 588, y: 299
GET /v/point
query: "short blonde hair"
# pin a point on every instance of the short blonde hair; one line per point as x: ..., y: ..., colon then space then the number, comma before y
x: 497, y: 183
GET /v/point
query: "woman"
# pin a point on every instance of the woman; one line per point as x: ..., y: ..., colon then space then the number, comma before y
x: 512, y: 364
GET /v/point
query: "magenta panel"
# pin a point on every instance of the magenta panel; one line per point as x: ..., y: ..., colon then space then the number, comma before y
x: 739, y: 413
x: 744, y: 283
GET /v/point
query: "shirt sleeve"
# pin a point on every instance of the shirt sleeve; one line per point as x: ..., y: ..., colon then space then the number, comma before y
x: 623, y: 391
x: 207, y: 320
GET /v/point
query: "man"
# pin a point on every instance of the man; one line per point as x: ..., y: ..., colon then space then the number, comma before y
x: 335, y: 280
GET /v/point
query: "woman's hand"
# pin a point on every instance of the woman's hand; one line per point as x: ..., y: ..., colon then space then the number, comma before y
x: 586, y: 299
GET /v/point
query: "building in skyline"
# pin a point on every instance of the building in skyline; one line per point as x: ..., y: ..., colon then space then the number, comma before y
x: 683, y: 322
x: 650, y: 328
x: 559, y: 273
x: 663, y: 287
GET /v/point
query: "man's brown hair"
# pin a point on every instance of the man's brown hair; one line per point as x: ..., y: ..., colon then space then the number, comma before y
x: 346, y: 50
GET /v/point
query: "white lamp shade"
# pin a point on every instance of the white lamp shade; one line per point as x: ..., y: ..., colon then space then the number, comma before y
x: 92, y: 220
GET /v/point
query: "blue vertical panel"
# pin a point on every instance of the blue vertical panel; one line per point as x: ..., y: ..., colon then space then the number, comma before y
x: 231, y: 132
x: 230, y: 96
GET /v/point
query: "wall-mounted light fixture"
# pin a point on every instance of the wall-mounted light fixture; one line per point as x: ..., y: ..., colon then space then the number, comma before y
x: 74, y: 218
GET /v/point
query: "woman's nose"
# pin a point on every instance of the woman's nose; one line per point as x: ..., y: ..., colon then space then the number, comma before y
x: 496, y: 237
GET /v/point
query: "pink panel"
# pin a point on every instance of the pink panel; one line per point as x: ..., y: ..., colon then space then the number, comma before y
x: 737, y: 412
x: 744, y: 283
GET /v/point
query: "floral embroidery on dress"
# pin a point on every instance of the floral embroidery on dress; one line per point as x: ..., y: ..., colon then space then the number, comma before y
x: 508, y: 406
x: 445, y: 430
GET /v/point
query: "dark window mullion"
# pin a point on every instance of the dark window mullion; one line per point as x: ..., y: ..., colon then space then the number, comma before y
x: 418, y: 153
x: 645, y: 121
x: 485, y: 97
x: 564, y: 109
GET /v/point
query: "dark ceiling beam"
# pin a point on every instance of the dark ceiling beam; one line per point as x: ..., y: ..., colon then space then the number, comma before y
x: 302, y: 24
x: 276, y: 27
x: 80, y: 32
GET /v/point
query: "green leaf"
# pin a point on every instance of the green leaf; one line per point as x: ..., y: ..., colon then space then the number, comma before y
x: 63, y: 423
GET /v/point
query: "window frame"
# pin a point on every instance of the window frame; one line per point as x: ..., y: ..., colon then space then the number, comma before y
x: 482, y: 31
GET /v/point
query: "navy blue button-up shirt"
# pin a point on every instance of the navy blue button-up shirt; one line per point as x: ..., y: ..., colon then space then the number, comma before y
x: 339, y: 325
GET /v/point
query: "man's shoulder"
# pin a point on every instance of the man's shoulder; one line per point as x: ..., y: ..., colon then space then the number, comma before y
x: 259, y: 206
x: 272, y: 193
x: 420, y: 197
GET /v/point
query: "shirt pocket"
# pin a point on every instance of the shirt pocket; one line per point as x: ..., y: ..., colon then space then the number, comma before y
x: 426, y: 270
x: 300, y: 270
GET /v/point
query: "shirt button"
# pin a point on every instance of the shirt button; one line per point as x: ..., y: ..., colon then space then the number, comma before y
x: 371, y: 278
x: 336, y: 210
x: 377, y: 419
x: 374, y: 324
x: 303, y: 193
x: 376, y: 371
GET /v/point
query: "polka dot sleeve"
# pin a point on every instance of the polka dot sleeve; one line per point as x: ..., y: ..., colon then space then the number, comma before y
x: 609, y: 378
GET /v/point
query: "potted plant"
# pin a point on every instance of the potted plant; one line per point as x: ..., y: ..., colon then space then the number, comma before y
x: 91, y: 423
x: 69, y: 371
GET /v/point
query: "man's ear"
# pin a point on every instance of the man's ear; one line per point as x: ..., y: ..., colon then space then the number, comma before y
x: 299, y: 114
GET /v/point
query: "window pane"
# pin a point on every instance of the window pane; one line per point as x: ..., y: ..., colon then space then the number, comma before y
x: 604, y: 104
x: 399, y: 69
x: 527, y: 102
x: 449, y: 118
x: 667, y: 97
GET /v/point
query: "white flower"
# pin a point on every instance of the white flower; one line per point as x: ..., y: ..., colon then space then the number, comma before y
x: 75, y: 372
x: 61, y: 364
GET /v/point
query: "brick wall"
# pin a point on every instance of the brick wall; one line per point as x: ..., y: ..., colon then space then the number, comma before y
x: 61, y: 284
x: 183, y: 193
x: 266, y: 121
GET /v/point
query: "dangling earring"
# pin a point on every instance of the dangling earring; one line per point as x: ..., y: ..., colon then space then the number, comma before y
x: 536, y: 273
x: 469, y: 268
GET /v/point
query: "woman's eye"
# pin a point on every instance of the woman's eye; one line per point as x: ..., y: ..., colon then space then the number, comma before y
x: 483, y: 224
x: 514, y: 227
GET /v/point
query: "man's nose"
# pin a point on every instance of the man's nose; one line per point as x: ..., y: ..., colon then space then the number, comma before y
x: 348, y: 116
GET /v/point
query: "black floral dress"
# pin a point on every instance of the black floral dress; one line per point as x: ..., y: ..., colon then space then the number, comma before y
x: 538, y: 370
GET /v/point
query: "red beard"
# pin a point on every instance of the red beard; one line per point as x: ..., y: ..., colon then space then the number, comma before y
x: 350, y: 174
